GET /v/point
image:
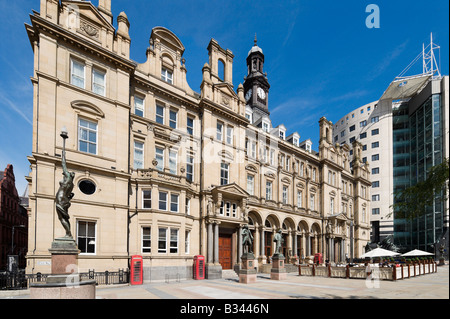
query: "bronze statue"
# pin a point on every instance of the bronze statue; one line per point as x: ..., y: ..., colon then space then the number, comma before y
x: 278, y: 239
x: 64, y: 194
x: 247, y: 239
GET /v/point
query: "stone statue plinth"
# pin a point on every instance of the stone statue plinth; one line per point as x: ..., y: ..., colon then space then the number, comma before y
x: 278, y: 271
x: 64, y: 256
x: 65, y: 281
x: 247, y: 274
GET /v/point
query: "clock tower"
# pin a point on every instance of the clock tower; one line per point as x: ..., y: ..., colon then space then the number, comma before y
x: 256, y: 85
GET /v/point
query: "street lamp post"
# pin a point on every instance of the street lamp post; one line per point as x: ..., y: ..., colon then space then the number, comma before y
x: 12, y: 239
x: 13, y: 259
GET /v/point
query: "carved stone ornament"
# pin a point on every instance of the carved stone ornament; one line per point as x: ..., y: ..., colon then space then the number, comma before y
x: 225, y: 100
x: 89, y: 29
x: 154, y: 162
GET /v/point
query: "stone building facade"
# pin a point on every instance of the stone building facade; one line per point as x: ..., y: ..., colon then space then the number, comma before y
x: 168, y: 173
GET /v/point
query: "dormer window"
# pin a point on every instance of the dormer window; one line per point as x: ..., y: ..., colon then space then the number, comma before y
x: 265, y: 127
x: 282, y: 135
x: 295, y: 141
x: 166, y: 75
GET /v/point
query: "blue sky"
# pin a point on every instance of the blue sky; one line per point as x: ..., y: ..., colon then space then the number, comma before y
x: 320, y: 58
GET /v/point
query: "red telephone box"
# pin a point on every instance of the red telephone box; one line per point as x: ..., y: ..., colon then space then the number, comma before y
x: 199, y: 267
x: 318, y: 258
x: 136, y: 270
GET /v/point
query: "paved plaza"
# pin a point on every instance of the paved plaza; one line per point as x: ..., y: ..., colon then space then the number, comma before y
x: 429, y: 286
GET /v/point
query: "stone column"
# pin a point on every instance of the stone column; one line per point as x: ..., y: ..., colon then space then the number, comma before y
x: 216, y: 242
x: 210, y: 242
x: 295, y: 243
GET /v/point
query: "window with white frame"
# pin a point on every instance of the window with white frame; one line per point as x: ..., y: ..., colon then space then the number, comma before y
x: 375, y: 198
x: 188, y: 206
x: 162, y: 240
x: 86, y: 236
x: 138, y: 155
x: 268, y: 190
x: 228, y: 209
x: 234, y: 207
x: 265, y: 126
x: 173, y: 240
x: 146, y: 240
x: 264, y: 152
x: 375, y: 211
x: 138, y: 106
x: 221, y: 208
x: 173, y: 154
x: 87, y: 136
x: 162, y: 201
x: 159, y: 156
x: 219, y: 134
x: 146, y: 199
x: 299, y: 199
x: 173, y: 115
x: 187, y: 240
x: 282, y: 135
x: 159, y: 114
x: 190, y: 125
x: 288, y: 163
x: 332, y: 205
x: 229, y: 135
x: 285, y: 195
x: 250, y: 184
x: 99, y: 82
x: 272, y: 157
x: 190, y: 168
x: 77, y: 74
x: 253, y: 149
x: 166, y: 75
x: 224, y: 173
x: 312, y: 202
x: 174, y: 202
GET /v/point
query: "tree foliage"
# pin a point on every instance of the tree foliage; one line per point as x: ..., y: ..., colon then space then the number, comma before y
x: 413, y: 201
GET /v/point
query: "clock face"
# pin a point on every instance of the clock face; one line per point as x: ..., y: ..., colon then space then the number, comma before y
x: 261, y: 93
x: 248, y: 95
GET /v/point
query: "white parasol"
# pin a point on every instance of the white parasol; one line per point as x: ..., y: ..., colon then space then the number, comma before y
x: 417, y: 252
x: 379, y: 252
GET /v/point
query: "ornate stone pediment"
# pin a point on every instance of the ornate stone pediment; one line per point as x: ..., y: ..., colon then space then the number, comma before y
x: 87, y: 12
x: 231, y: 191
x: 226, y: 91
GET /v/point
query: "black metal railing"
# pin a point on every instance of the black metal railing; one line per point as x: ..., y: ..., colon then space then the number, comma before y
x: 20, y: 280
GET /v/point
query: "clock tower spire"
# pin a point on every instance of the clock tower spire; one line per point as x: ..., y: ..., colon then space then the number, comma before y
x: 256, y: 85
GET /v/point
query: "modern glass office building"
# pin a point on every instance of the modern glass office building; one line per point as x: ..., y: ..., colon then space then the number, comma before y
x: 420, y: 135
